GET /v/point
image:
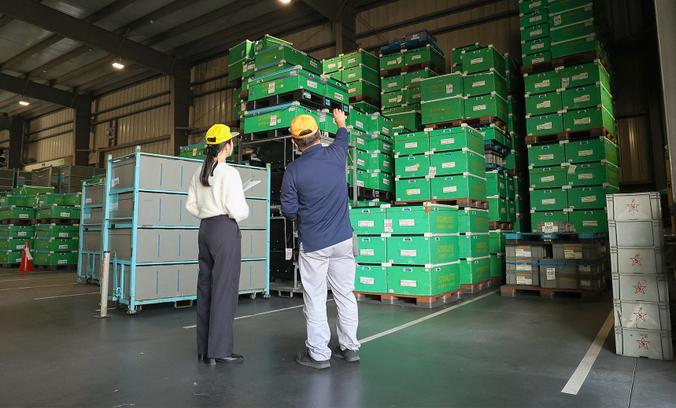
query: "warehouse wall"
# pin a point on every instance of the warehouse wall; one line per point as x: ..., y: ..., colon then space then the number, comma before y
x: 4, y: 138
x: 50, y: 137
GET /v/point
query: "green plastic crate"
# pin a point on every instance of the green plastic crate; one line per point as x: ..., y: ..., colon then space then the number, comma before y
x: 332, y: 65
x: 423, y: 281
x: 443, y: 86
x: 534, y: 32
x: 365, y: 107
x: 360, y: 57
x: 548, y: 177
x: 193, y: 151
x: 412, y: 190
x: 475, y: 270
x: 589, y: 198
x: 364, y: 89
x: 533, y: 18
x: 236, y: 69
x: 456, y: 54
x: 593, y: 150
x: 496, y: 241
x: 361, y: 177
x: 56, y: 231
x: 587, y: 119
x: 497, y: 266
x: 244, y: 50
x: 71, y: 199
x: 543, y: 104
x: 580, y: 29
x: 286, y: 81
x: 564, y: 15
x: 529, y: 6
x: 498, y: 209
x: 418, y: 220
x: 360, y: 121
x: 575, y: 46
x: 473, y: 245
x: 9, y: 231
x: 411, y: 143
x: 281, y: 117
x: 269, y: 41
x: 387, y: 112
x: 546, y: 155
x: 391, y: 62
x: 427, y: 56
x: 371, y: 279
x: 392, y: 99
x: 485, y: 83
x: 540, y: 217
x: 48, y: 258
x: 537, y: 58
x: 358, y: 158
x: 422, y: 250
x: 415, y: 78
x: 379, y: 181
x: 58, y: 212
x: 456, y: 138
x: 483, y: 60
x: 593, y: 174
x: 589, y: 96
x: 458, y: 187
x: 358, y: 139
x: 14, y: 244
x: 368, y: 221
x: 10, y: 257
x: 486, y: 105
x: 379, y: 162
x: 589, y: 220
x: 537, y: 46
x: 472, y: 220
x: 375, y: 144
x: 414, y: 166
x: 549, y: 200
x: 543, y: 82
x: 493, y: 132
x: 371, y: 250
x: 54, y: 245
x: 496, y: 184
x: 412, y: 95
x: 21, y: 200
x: 16, y: 213
x: 410, y: 121
x: 443, y: 110
x: 392, y: 84
x: 32, y: 190
x: 585, y: 74
x: 382, y: 125
x: 360, y: 73
x: 544, y: 124
x: 285, y: 54
x: 457, y: 162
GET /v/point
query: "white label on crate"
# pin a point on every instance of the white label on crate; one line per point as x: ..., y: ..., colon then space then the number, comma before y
x: 549, y: 227
x: 289, y: 254
x: 62, y: 261
x: 524, y: 267
x: 448, y: 141
x: 352, y: 75
x: 588, y: 199
x: 360, y: 183
x: 546, y: 157
x: 535, y: 32
x: 450, y: 189
x: 416, y: 57
x: 333, y: 65
x: 584, y: 268
x: 478, y: 107
x: 366, y: 224
x: 409, y: 169
x: 538, y: 60
x: 585, y: 176
x: 545, y: 126
x: 367, y: 252
x: 64, y: 214
x: 386, y: 164
x: 361, y: 162
x: 21, y: 234
x: 537, y: 46
x: 544, y: 104
x: 359, y: 141
x: 312, y: 84
x: 523, y: 280
x: 65, y: 246
x: 338, y: 97
x: 393, y: 62
x: 583, y: 98
x: 23, y: 215
x: 351, y: 61
x: 571, y: 169
x: 585, y: 152
x: 590, y: 223
x: 407, y: 223
x: 572, y: 253
x: 116, y: 181
x: 271, y: 87
x: 273, y: 120
x: 63, y: 235
x: 549, y: 201
x: 411, y: 145
x: 392, y: 84
x: 523, y: 252
x: 582, y: 121
x: 449, y: 88
x: 365, y: 280
x: 408, y: 252
x: 581, y: 76
x: 476, y: 61
x: 477, y: 84
x: 359, y: 124
x: 388, y: 225
x: 412, y: 191
x: 352, y: 90
x: 88, y: 200
x: 543, y: 84
x: 448, y: 165
x: 395, y: 99
x: 408, y: 283
x: 557, y: 20
x: 547, y: 179
x: 551, y: 273
x: 585, y: 283
x: 535, y: 19
x: 386, y: 182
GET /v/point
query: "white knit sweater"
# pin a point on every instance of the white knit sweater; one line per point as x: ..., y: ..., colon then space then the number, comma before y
x: 224, y: 196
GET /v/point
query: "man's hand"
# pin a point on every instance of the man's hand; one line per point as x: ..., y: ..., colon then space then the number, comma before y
x: 339, y: 117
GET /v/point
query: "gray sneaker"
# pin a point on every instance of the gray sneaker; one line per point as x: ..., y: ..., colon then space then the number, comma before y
x: 306, y: 360
x: 351, y: 356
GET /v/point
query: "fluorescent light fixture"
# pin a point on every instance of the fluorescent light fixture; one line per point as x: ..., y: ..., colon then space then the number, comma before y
x: 118, y: 65
x: 285, y: 1
x: 24, y: 102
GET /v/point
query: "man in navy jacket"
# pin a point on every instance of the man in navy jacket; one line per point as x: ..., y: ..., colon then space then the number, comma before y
x: 314, y: 193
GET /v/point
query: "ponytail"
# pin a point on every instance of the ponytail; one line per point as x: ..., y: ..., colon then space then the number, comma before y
x: 210, y: 162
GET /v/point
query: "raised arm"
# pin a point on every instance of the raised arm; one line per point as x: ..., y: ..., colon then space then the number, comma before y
x: 341, y: 142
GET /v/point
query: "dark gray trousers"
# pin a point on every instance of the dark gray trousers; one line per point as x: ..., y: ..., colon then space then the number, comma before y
x: 220, y: 258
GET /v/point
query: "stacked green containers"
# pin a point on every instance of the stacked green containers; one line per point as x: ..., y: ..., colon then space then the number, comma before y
x: 359, y: 70
x: 369, y: 226
x: 16, y: 214
x: 57, y: 229
x: 401, y: 75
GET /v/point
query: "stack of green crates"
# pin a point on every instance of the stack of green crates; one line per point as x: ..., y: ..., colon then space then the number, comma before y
x: 401, y: 76
x: 371, y: 149
x: 359, y: 70
x: 197, y: 151
x: 16, y: 214
x: 476, y: 263
x: 57, y: 230
x: 408, y: 251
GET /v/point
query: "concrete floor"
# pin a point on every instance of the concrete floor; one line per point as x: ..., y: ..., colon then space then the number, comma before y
x: 494, y: 352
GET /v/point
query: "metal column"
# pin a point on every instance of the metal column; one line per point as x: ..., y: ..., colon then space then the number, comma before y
x: 345, y: 30
x: 180, y: 109
x: 16, y: 136
x: 82, y: 128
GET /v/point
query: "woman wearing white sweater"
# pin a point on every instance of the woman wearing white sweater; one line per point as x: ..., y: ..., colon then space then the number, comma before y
x: 216, y: 197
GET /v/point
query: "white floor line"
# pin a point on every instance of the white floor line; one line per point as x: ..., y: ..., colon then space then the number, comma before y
x: 422, y: 319
x: 192, y: 326
x: 65, y: 296
x: 36, y: 287
x: 582, y: 371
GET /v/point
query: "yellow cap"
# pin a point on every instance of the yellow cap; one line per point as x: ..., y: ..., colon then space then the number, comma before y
x: 303, y: 126
x: 218, y: 134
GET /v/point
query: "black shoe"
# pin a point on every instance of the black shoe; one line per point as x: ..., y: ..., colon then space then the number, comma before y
x: 351, y: 356
x: 231, y: 359
x: 306, y: 360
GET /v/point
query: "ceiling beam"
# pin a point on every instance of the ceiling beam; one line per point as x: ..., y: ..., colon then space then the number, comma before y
x: 38, y: 91
x: 76, y: 29
x: 326, y: 8
x: 4, y: 20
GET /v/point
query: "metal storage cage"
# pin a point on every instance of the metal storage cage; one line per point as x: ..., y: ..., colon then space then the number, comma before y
x: 6, y: 179
x: 69, y: 178
x: 43, y: 177
x: 153, y: 239
x: 89, y: 262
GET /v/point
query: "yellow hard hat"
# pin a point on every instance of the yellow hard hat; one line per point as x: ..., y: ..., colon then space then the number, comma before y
x: 303, y: 126
x: 219, y: 133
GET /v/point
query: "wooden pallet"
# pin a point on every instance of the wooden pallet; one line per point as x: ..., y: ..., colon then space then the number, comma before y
x: 416, y: 67
x: 474, y: 288
x: 58, y: 221
x: 460, y: 202
x: 531, y: 237
x: 384, y: 73
x: 500, y: 225
x: 549, y: 293
x: 410, y: 300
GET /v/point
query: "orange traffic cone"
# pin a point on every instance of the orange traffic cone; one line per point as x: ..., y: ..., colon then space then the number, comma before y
x: 26, y: 258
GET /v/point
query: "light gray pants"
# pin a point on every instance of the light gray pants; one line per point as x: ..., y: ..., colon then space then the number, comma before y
x: 336, y: 266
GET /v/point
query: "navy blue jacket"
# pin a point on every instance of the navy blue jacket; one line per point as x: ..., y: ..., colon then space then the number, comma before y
x: 314, y: 190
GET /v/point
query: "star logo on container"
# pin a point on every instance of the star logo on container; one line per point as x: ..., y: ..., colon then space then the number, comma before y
x: 643, y: 342
x: 636, y: 260
x: 640, y: 314
x: 632, y: 207
x: 640, y: 288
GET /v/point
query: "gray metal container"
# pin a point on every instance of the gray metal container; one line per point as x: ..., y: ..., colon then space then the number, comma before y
x: 253, y: 276
x: 155, y: 209
x: 654, y: 344
x: 523, y: 273
x: 634, y: 207
x: 639, y: 287
x: 636, y: 233
x: 254, y: 244
x: 94, y: 195
x: 164, y: 281
x: 92, y: 216
x: 636, y: 260
x: 559, y: 276
x: 642, y: 315
x: 91, y: 240
x: 252, y: 175
x: 576, y: 251
x: 258, y: 215
x: 156, y: 245
x: 42, y: 177
x: 155, y: 173
x: 520, y: 251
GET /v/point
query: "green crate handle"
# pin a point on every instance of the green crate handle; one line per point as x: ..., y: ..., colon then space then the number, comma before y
x: 408, y: 269
x: 407, y: 239
x: 406, y: 209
